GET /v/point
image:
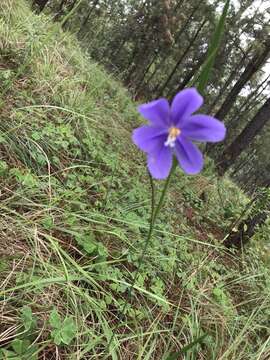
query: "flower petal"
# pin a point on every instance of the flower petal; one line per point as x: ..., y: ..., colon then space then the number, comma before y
x: 184, y: 104
x: 148, y: 138
x: 203, y: 128
x: 189, y: 156
x: 160, y: 162
x: 157, y: 112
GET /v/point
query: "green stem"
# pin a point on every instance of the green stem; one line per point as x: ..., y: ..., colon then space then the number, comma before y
x: 164, y: 191
x: 154, y: 215
x: 153, y: 197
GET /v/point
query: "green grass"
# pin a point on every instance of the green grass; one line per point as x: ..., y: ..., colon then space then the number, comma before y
x: 74, y: 204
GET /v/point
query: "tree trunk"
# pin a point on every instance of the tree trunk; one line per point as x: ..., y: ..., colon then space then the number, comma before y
x: 177, y: 6
x: 86, y: 19
x: 252, y: 96
x: 60, y: 10
x: 245, y: 231
x: 177, y: 38
x: 241, y: 142
x: 141, y: 80
x: 40, y: 4
x: 184, y: 27
x: 166, y: 83
x: 247, y: 227
x: 62, y: 3
x: 253, y: 66
x: 191, y: 73
x: 243, y: 165
x: 227, y: 83
x: 71, y: 9
x: 212, y: 149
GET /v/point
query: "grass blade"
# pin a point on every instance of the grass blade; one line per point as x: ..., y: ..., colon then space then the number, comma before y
x: 203, y: 77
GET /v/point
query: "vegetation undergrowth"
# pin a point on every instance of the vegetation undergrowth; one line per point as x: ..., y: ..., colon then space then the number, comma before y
x: 74, y: 199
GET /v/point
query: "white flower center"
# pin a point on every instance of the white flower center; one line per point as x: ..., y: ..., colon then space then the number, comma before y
x: 172, y: 136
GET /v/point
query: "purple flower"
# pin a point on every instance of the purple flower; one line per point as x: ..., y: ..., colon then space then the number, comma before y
x: 171, y: 130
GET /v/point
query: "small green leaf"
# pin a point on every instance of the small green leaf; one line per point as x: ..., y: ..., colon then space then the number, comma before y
x: 28, y: 319
x: 68, y: 331
x: 20, y: 346
x: 87, y: 242
x: 63, y: 332
x: 3, y: 167
x: 8, y: 355
x: 48, y: 222
x: 56, y: 335
x: 2, y: 139
x: 36, y: 135
x: 173, y: 356
x: 55, y: 319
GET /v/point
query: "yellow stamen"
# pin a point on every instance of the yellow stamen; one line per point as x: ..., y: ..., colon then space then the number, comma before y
x: 172, y: 136
x: 174, y: 132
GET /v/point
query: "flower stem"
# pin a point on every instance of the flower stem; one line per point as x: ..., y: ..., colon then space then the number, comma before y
x: 164, y: 191
x: 154, y: 214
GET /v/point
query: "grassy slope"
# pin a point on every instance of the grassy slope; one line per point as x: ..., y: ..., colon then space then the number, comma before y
x: 74, y: 203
